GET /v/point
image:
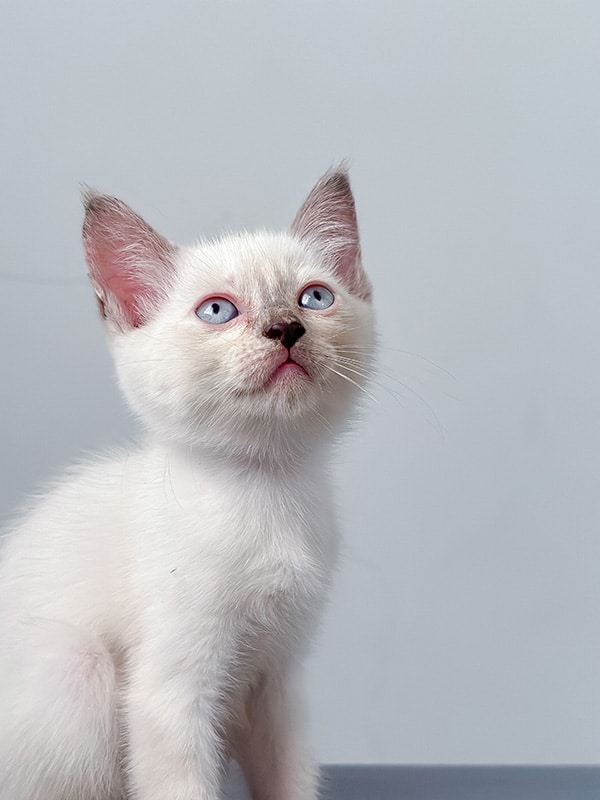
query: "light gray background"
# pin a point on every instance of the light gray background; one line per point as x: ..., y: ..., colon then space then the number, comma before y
x: 465, y: 625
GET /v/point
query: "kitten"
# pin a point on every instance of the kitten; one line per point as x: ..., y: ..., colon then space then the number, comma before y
x: 156, y: 603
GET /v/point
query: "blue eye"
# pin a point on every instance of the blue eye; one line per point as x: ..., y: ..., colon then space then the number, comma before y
x: 316, y: 298
x: 217, y: 310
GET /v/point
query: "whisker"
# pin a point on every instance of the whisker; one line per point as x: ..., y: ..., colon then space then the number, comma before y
x: 371, y: 378
x: 353, y: 382
x: 420, y: 358
x: 357, y: 349
x: 320, y: 418
x: 352, y: 364
x: 352, y: 368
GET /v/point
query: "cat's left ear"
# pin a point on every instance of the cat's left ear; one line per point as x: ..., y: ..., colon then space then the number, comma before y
x: 327, y: 220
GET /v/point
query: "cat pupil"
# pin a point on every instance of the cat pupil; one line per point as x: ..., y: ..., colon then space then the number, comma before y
x: 317, y: 295
x: 215, y: 308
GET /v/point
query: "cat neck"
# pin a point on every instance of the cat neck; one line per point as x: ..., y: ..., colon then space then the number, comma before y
x: 292, y: 463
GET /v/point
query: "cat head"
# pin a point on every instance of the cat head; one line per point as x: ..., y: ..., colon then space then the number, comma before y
x: 252, y: 343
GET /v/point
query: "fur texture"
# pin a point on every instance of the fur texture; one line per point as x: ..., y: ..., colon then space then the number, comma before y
x: 155, y: 605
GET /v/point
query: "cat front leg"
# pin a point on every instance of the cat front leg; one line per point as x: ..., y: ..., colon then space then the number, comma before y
x: 173, y: 713
x: 272, y: 751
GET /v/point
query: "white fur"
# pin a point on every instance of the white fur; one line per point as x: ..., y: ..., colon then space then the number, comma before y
x: 155, y: 605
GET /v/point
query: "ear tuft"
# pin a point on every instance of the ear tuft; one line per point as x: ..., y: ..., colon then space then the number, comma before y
x: 130, y: 265
x: 327, y: 220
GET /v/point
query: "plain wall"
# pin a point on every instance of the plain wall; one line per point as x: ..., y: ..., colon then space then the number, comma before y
x: 465, y: 623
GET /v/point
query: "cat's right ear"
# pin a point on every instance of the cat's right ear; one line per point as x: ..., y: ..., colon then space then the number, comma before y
x: 130, y: 265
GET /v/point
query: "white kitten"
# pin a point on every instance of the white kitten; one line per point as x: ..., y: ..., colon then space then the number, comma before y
x: 156, y: 603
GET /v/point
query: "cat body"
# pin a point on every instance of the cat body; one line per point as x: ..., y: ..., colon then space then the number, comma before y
x: 155, y: 605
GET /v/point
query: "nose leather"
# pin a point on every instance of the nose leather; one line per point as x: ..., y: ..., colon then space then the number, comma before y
x: 288, y: 333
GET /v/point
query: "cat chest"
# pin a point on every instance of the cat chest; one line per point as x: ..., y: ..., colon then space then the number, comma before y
x: 279, y: 553
x: 258, y: 571
x: 279, y: 578
x: 275, y: 613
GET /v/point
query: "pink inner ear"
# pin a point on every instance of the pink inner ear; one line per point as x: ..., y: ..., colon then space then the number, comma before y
x: 130, y: 265
x: 347, y: 247
x: 119, y: 282
x: 133, y: 297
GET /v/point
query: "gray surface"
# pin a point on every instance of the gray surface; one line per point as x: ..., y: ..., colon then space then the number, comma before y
x: 465, y: 623
x: 357, y: 782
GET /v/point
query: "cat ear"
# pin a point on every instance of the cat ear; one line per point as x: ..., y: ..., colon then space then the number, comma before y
x: 327, y: 220
x: 130, y: 265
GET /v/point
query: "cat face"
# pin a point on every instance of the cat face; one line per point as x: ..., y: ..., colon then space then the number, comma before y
x: 254, y: 341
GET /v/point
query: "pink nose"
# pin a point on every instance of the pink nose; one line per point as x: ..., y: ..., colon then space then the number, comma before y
x: 288, y: 333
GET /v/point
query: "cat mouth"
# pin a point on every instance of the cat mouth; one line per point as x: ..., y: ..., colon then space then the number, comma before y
x: 288, y: 369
